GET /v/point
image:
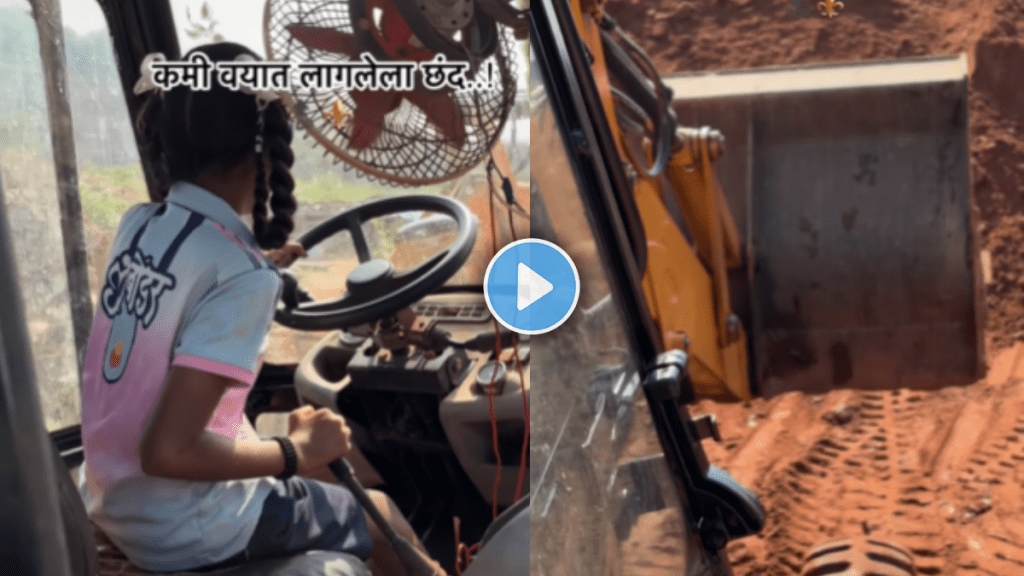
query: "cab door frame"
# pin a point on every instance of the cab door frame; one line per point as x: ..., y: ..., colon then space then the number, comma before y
x: 32, y: 539
x: 138, y: 28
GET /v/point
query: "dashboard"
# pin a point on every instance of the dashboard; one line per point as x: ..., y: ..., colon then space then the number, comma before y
x: 432, y: 399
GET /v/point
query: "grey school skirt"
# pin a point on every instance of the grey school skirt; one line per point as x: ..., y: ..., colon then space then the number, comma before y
x: 301, y: 515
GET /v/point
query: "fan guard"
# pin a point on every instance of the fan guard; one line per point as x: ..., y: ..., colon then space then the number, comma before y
x: 411, y: 151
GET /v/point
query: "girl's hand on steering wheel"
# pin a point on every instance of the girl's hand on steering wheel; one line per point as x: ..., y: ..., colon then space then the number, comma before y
x: 320, y: 437
x: 284, y: 257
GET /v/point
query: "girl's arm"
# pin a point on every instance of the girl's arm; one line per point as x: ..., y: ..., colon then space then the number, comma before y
x: 284, y: 257
x: 176, y: 444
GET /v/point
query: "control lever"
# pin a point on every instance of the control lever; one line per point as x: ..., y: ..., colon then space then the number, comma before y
x: 415, y: 562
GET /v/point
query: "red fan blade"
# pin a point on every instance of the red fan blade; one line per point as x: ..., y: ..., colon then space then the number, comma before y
x: 368, y: 117
x: 442, y: 111
x: 327, y: 39
x: 395, y: 34
x: 395, y: 31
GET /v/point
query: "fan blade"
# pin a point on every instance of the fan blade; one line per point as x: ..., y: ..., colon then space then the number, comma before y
x: 368, y: 118
x: 326, y: 39
x: 442, y: 111
x: 395, y: 31
x: 397, y: 36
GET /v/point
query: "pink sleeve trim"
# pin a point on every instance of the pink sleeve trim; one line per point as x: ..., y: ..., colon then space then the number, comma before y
x: 213, y: 367
x: 227, y: 234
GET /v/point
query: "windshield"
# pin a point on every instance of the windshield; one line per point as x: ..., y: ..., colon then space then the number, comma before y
x: 601, y: 481
x: 326, y: 187
x: 104, y: 147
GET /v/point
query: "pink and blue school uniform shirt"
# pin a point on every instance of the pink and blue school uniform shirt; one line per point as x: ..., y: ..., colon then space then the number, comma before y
x: 186, y: 286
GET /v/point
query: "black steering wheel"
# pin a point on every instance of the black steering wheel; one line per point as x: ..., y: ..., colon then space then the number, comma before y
x: 375, y: 289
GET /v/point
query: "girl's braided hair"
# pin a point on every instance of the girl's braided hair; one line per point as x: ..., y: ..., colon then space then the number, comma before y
x: 187, y: 132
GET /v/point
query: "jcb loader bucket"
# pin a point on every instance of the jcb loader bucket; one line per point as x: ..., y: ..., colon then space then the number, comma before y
x: 851, y: 193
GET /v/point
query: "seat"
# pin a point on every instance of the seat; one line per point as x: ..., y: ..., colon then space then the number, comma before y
x: 93, y: 554
x: 506, y: 548
x: 511, y: 513
x: 314, y: 563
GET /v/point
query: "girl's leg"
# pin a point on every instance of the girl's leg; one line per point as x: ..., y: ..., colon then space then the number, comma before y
x: 383, y: 561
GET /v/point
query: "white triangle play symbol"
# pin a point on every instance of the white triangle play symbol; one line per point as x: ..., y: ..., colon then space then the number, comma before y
x: 532, y: 287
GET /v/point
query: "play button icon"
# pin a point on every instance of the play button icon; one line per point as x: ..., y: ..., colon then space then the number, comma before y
x: 531, y: 286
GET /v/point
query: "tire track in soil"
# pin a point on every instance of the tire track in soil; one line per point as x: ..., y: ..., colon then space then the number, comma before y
x: 861, y: 474
x: 851, y: 465
x: 987, y: 488
x: 916, y: 521
x: 835, y: 463
x: 937, y: 472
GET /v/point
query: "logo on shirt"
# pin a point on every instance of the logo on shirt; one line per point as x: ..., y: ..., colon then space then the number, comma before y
x: 134, y: 285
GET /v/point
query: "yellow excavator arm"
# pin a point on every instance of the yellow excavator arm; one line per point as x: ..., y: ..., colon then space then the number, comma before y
x: 686, y: 281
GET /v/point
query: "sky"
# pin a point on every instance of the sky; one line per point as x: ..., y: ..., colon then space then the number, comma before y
x: 82, y: 16
x: 85, y: 16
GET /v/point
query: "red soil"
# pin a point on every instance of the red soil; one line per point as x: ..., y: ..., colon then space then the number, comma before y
x: 939, y: 472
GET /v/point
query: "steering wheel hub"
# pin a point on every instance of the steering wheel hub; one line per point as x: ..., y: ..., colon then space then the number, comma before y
x: 369, y: 276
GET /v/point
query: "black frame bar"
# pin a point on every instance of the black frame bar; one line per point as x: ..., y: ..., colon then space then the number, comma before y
x: 32, y: 539
x: 604, y: 187
x: 138, y: 28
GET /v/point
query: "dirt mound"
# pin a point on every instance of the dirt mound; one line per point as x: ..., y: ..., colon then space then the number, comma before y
x: 689, y: 35
x: 998, y: 80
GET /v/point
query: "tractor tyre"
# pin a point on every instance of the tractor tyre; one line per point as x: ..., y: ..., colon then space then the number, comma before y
x: 858, y: 557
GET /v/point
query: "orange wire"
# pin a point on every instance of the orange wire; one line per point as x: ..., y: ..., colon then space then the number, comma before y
x: 463, y: 553
x: 497, y: 354
x: 494, y: 422
x: 522, y: 381
x: 526, y: 422
x: 458, y: 547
